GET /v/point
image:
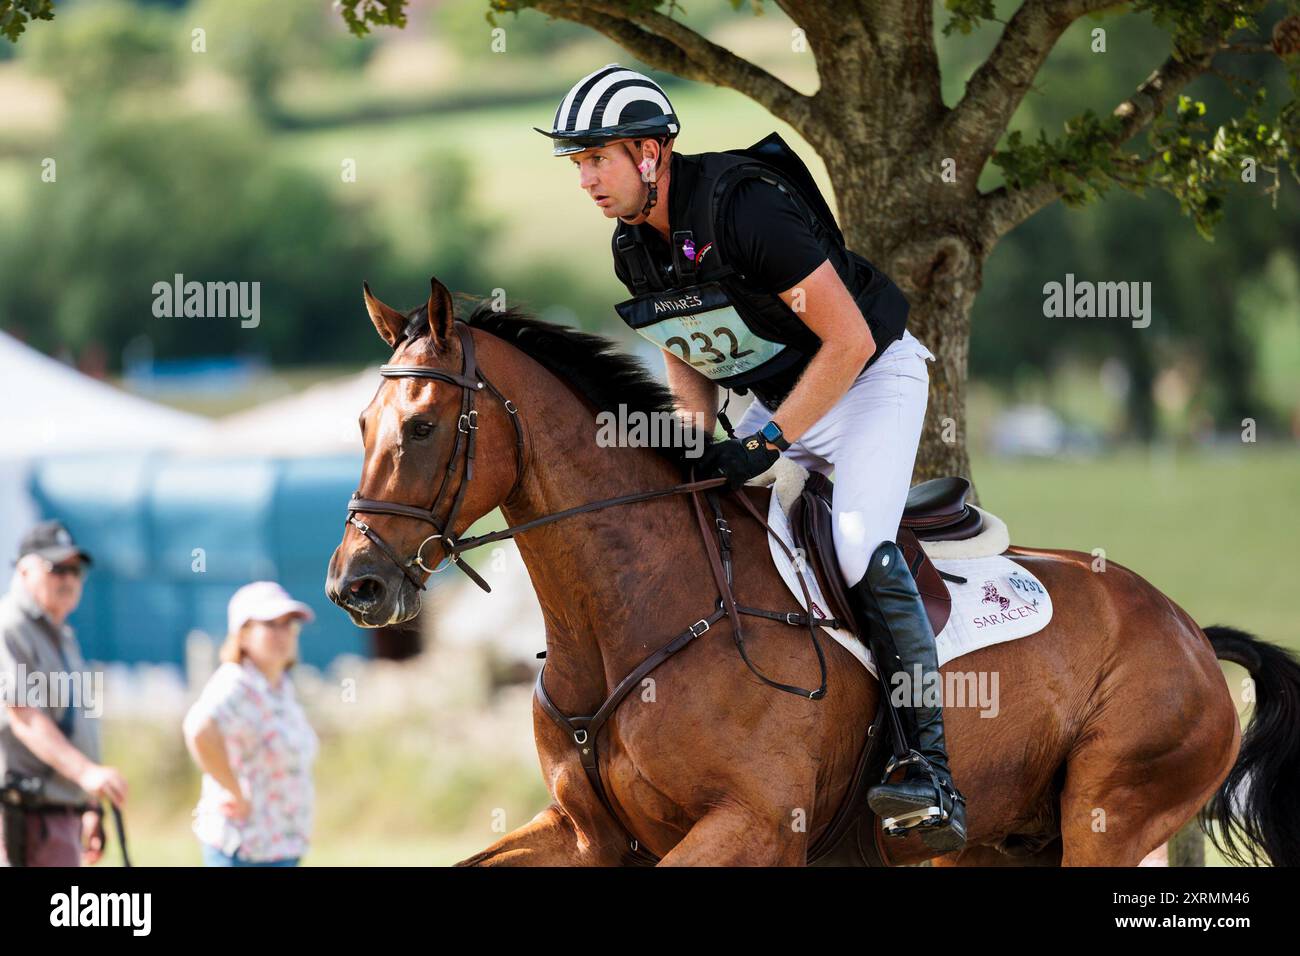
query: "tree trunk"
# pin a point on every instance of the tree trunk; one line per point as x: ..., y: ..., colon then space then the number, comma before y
x: 944, y: 329
x: 918, y: 233
x: 940, y: 278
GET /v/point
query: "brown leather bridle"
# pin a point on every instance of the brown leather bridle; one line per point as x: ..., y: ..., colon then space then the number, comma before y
x: 471, y: 381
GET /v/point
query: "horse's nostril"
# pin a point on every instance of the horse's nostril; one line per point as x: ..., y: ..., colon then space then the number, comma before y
x: 365, y: 591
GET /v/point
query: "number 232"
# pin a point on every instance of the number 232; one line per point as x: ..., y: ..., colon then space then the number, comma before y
x: 706, y: 346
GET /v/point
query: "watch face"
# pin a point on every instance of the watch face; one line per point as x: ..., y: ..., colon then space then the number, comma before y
x: 771, y: 431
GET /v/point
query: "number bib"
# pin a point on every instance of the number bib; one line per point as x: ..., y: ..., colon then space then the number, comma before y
x: 701, y: 326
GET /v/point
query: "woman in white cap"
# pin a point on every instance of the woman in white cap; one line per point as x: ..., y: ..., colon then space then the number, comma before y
x: 251, y: 739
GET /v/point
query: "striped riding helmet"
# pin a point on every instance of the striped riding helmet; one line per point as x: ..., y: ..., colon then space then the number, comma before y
x: 608, y: 105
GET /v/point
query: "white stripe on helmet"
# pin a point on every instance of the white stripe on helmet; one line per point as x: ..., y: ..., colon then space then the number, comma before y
x: 567, y: 105
x: 593, y: 97
x: 631, y: 94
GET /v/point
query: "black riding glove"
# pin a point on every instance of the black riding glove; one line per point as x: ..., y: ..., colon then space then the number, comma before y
x: 737, y: 459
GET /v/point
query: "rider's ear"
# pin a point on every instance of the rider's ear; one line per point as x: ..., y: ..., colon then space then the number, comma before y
x: 389, y: 323
x: 441, y: 314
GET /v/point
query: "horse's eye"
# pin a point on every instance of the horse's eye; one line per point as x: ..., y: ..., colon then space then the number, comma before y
x: 421, y: 429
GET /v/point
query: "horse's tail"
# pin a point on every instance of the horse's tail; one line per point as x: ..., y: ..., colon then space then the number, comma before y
x: 1254, y: 809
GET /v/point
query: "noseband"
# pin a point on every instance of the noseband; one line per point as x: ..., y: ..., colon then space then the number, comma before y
x: 471, y: 381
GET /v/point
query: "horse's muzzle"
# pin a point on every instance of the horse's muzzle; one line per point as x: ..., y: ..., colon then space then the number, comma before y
x: 373, y: 597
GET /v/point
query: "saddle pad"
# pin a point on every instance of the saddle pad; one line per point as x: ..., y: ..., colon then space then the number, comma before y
x: 1000, y: 601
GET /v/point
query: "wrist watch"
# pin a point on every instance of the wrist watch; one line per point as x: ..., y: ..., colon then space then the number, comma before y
x: 771, y: 432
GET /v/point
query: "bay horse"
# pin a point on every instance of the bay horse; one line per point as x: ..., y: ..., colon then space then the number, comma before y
x: 1115, y: 724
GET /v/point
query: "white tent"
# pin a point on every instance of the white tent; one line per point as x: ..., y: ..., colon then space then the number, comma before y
x: 50, y: 409
x: 320, y: 420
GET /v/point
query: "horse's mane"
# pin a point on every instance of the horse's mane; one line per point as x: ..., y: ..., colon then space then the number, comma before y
x: 591, y: 364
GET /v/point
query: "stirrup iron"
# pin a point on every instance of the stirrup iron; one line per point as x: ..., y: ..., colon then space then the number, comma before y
x: 935, y: 816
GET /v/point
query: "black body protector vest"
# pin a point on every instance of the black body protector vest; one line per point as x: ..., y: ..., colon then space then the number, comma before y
x: 706, y: 312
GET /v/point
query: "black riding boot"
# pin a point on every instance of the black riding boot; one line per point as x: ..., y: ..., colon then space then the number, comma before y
x: 898, y: 632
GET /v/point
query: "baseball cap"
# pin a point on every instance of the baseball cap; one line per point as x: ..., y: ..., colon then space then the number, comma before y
x: 263, y: 601
x: 53, y: 542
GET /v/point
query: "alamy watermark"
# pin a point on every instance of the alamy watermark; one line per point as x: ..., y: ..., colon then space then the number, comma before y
x: 946, y: 689
x: 661, y: 429
x: 1098, y: 300
x: 209, y: 300
x: 129, y: 910
x: 83, y: 690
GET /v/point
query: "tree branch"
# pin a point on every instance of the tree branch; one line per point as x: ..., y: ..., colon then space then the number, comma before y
x: 1003, y: 209
x: 669, y: 45
x: 1162, y: 86
x: 973, y: 127
x: 794, y: 9
x: 918, y: 15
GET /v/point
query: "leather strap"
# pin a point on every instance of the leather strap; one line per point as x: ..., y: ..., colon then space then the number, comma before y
x: 858, y: 783
x: 368, y: 505
x: 583, y: 730
x: 466, y: 544
x: 793, y: 618
x: 820, y: 692
x: 628, y: 244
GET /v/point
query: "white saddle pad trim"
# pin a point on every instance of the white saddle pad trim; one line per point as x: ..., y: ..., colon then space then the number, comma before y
x: 1000, y: 601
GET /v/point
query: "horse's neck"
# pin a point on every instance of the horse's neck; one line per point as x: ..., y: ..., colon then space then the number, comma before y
x: 601, y: 577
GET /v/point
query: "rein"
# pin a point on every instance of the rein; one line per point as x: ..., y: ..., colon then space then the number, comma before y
x: 583, y: 730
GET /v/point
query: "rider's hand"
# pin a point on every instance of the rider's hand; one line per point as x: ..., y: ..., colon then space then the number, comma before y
x: 104, y: 783
x: 737, y: 459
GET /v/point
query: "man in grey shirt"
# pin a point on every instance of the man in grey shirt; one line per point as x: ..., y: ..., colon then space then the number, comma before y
x: 51, y: 780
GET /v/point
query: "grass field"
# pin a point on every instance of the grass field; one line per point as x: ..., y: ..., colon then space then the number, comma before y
x: 1214, y: 531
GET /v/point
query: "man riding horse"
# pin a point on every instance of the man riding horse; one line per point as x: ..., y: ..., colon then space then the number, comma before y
x: 739, y: 273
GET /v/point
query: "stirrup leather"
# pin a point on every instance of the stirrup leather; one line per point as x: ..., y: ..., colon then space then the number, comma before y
x: 933, y: 816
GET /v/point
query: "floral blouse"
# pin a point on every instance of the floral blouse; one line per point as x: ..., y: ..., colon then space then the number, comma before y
x: 271, y: 748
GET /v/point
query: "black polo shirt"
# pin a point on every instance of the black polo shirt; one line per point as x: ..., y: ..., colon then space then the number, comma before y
x: 765, y: 237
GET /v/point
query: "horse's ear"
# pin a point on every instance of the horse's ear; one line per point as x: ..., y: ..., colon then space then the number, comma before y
x: 389, y: 323
x: 441, y: 314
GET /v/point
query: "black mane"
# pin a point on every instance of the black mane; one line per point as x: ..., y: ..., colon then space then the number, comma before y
x: 592, y: 364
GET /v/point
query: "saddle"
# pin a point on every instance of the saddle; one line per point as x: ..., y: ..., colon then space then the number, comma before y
x: 936, y: 510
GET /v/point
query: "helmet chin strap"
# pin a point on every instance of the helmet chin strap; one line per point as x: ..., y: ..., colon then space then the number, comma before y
x: 652, y: 185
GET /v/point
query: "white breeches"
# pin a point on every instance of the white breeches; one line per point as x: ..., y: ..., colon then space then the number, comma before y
x: 869, y: 439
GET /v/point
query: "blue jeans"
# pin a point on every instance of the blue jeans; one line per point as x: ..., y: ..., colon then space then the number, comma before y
x: 214, y: 857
